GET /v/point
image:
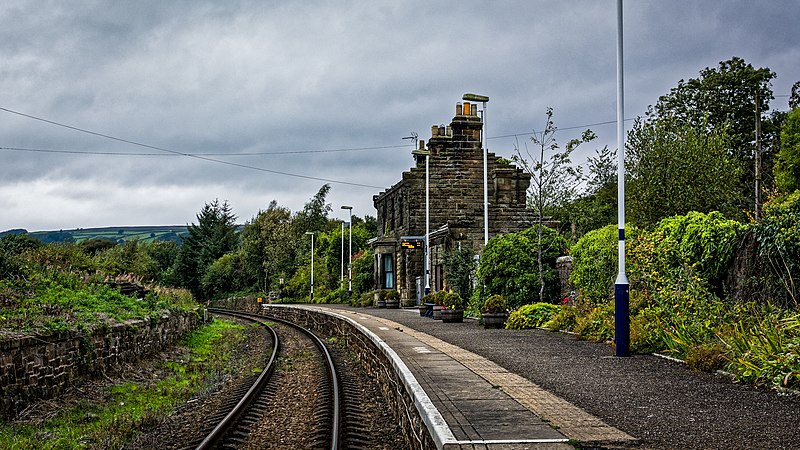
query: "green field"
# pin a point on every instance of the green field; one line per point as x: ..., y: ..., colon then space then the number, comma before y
x: 116, y: 234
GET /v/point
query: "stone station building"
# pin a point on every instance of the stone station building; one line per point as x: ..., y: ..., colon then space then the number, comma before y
x: 456, y: 206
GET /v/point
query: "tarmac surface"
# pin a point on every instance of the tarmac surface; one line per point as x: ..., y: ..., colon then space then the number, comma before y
x: 550, y: 390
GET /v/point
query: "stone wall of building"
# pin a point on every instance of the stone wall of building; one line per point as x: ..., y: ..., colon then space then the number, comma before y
x: 456, y: 197
x: 42, y: 367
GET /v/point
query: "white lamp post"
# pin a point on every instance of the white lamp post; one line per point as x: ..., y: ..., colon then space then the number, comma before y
x: 350, y: 256
x: 622, y: 333
x: 427, y: 154
x: 341, y: 278
x: 485, y: 150
x: 312, y: 264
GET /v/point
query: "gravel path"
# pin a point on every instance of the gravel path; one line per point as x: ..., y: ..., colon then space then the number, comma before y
x: 662, y: 403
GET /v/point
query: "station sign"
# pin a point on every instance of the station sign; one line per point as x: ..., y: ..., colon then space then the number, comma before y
x: 412, y: 242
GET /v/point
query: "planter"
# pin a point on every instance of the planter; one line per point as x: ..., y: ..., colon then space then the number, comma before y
x: 494, y: 320
x: 381, y: 303
x: 393, y: 304
x: 422, y: 310
x: 452, y: 315
x: 437, y: 312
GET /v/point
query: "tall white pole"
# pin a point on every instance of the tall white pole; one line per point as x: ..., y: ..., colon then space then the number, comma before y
x: 350, y: 258
x: 621, y: 288
x: 341, y: 278
x: 312, y: 267
x: 485, y: 179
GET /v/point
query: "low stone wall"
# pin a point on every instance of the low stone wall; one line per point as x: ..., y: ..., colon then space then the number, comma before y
x: 372, y: 357
x: 42, y: 367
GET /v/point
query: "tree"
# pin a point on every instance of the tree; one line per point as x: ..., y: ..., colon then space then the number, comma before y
x: 459, y: 266
x: 213, y: 236
x: 675, y: 168
x: 597, y: 206
x: 314, y: 216
x: 510, y: 266
x: 726, y: 96
x: 787, y: 166
x: 268, y: 247
x: 554, y: 181
x: 794, y: 98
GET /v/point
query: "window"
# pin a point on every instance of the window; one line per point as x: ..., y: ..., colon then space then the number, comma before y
x: 388, y: 271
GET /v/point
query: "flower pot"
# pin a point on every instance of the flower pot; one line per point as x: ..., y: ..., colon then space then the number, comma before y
x: 381, y: 303
x: 422, y: 310
x: 452, y: 315
x: 494, y: 320
x: 393, y: 304
x: 437, y: 312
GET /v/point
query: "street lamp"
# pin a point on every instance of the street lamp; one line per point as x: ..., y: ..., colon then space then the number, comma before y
x: 418, y: 153
x: 485, y: 150
x: 312, y: 264
x: 341, y: 278
x: 350, y: 256
x: 622, y: 325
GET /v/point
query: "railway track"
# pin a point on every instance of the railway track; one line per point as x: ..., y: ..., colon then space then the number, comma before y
x: 235, y: 424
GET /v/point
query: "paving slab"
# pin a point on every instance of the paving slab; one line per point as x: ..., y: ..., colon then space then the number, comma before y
x: 482, y: 404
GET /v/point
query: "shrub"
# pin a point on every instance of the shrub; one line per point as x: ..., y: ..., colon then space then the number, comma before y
x: 767, y: 353
x: 392, y: 295
x: 531, y: 316
x: 778, y: 236
x: 598, y: 325
x: 594, y: 263
x: 565, y: 319
x: 452, y: 301
x: 459, y: 266
x: 697, y: 242
x: 495, y: 304
x: 509, y: 266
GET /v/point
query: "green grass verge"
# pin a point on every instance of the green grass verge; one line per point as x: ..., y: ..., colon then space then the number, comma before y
x: 127, y: 408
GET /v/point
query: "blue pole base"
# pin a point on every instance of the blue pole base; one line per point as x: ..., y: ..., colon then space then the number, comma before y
x: 622, y: 320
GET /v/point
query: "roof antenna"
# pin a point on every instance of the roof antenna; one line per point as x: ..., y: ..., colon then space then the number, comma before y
x: 414, y: 137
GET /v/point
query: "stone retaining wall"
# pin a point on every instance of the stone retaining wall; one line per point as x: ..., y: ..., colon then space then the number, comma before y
x: 376, y: 363
x: 42, y: 367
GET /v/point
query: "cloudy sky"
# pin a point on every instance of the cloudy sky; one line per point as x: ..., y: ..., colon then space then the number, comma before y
x: 137, y: 113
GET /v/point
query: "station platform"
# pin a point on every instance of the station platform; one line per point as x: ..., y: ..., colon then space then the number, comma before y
x: 469, y: 402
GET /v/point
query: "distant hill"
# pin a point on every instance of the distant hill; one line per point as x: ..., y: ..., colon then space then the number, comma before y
x: 117, y: 234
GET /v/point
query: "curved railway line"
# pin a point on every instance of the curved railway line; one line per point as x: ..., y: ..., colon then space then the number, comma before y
x: 234, y: 422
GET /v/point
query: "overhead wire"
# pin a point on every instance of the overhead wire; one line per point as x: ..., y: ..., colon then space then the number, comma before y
x: 189, y: 155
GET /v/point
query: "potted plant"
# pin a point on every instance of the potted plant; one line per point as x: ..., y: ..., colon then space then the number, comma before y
x: 438, y: 300
x: 380, y: 299
x: 494, y: 312
x: 427, y: 305
x: 453, y: 311
x: 393, y: 299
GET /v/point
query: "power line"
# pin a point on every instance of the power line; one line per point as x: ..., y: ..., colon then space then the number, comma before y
x: 608, y: 122
x: 282, y: 152
x: 203, y: 158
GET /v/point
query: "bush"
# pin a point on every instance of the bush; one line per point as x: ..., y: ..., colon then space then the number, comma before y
x: 565, y: 319
x: 598, y: 325
x: 459, y: 266
x: 452, y: 301
x: 594, y: 263
x: 391, y: 295
x: 767, y: 353
x: 778, y: 236
x: 698, y: 243
x: 531, y: 316
x: 495, y: 304
x: 509, y: 266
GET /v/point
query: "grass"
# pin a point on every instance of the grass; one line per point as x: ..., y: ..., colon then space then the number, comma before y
x: 129, y: 407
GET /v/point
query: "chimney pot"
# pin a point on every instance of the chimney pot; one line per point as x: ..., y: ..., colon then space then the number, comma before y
x: 459, y: 109
x: 434, y: 131
x: 467, y: 106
